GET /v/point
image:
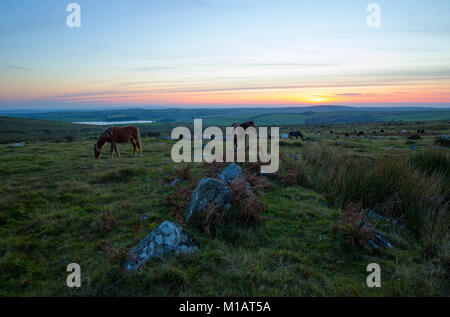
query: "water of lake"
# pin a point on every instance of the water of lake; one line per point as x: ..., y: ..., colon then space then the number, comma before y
x: 114, y: 122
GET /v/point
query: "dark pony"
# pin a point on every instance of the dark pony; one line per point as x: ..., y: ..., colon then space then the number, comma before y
x: 116, y: 135
x: 295, y: 134
x: 243, y: 125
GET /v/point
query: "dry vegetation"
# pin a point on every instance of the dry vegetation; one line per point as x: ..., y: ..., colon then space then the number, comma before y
x: 355, y: 226
x: 392, y: 186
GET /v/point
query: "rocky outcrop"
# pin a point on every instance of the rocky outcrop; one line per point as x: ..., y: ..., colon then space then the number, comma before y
x: 232, y: 172
x: 167, y: 238
x: 209, y: 190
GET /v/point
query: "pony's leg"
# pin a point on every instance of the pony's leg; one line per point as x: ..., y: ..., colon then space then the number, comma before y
x: 139, y: 144
x: 134, y: 146
x: 140, y: 149
x: 112, y: 150
x: 117, y: 150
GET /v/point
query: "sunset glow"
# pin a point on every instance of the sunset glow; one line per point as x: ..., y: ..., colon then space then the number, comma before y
x: 224, y: 53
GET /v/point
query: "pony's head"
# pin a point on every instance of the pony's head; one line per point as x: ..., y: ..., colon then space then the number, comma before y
x: 97, y: 151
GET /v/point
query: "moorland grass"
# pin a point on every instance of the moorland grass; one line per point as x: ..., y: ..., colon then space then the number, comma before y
x: 59, y: 206
x: 394, y: 186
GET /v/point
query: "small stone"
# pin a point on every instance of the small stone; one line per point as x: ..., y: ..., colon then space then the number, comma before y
x: 21, y: 144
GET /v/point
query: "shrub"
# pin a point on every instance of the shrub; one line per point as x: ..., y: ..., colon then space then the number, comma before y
x: 212, y: 219
x: 251, y: 208
x: 179, y: 201
x: 114, y: 255
x: 213, y: 170
x: 184, y: 173
x: 389, y: 185
x: 293, y: 172
x: 259, y: 183
x: 355, y: 226
x: 107, y: 221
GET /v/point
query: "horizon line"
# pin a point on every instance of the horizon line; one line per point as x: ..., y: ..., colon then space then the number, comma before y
x: 434, y: 106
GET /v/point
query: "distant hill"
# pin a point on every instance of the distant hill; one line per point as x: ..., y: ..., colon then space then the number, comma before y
x: 30, y: 130
x: 269, y: 116
x: 20, y: 129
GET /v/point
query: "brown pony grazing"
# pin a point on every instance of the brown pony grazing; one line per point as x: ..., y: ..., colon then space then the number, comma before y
x: 116, y: 135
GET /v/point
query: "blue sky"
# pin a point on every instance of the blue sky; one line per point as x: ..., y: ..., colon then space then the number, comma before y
x: 223, y: 52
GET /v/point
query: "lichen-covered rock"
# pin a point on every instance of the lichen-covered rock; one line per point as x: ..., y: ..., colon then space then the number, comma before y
x: 167, y: 238
x: 209, y: 190
x: 232, y: 172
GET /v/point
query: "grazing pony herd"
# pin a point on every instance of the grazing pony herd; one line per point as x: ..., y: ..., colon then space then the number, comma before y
x: 115, y: 135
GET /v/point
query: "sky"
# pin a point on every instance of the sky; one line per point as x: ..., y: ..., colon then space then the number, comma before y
x: 224, y: 53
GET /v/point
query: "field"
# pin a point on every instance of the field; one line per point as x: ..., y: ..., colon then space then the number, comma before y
x: 262, y: 116
x: 59, y: 206
x: 32, y: 130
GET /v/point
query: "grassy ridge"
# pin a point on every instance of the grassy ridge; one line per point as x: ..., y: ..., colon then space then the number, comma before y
x: 350, y: 117
x: 21, y: 129
x: 32, y: 130
x: 262, y: 116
